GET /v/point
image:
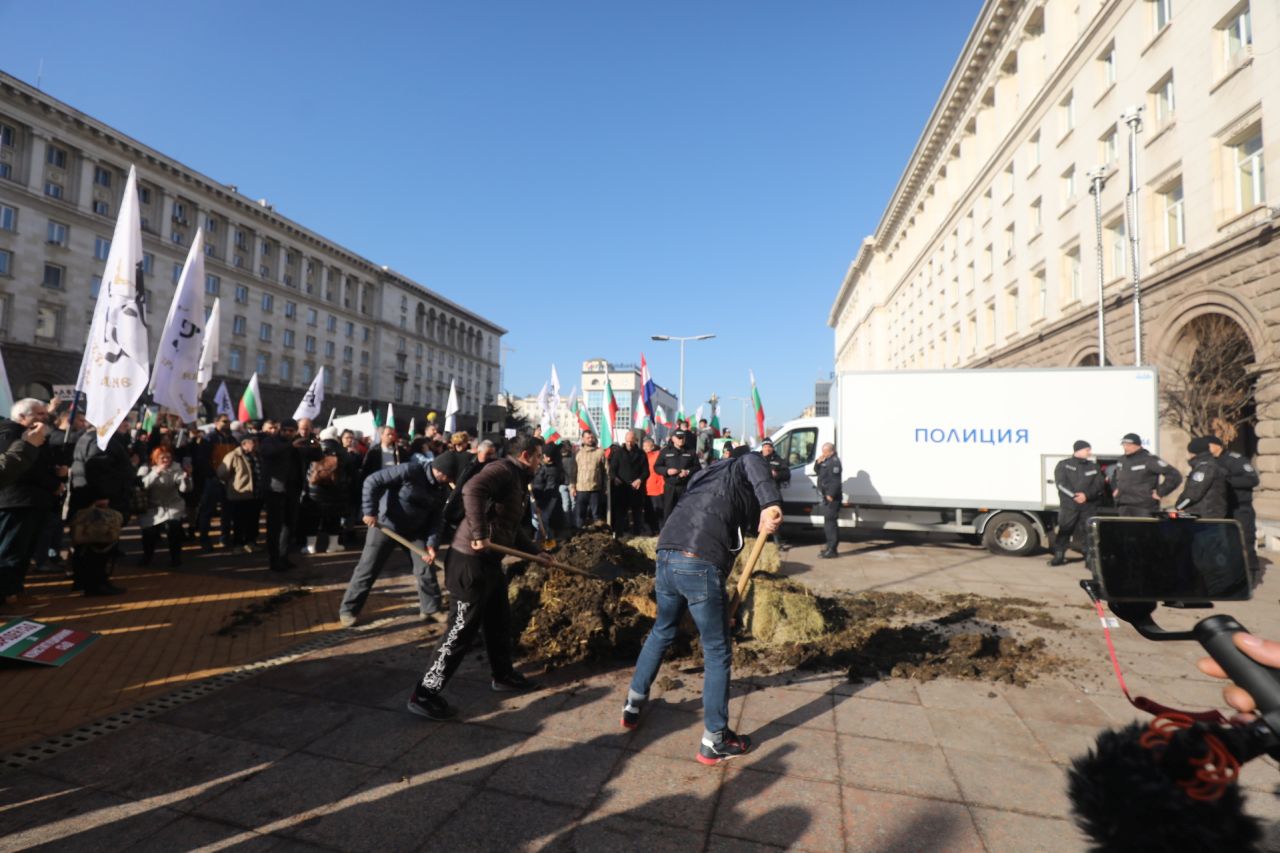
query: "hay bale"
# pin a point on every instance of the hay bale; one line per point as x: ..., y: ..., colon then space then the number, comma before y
x: 770, y: 560
x: 778, y: 612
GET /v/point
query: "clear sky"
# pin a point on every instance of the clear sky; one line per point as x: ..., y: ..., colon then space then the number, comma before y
x: 586, y: 173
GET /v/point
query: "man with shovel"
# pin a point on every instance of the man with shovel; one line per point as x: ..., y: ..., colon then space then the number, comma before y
x: 495, y: 502
x: 695, y: 555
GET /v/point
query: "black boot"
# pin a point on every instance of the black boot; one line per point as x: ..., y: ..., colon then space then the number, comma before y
x: 1059, y: 558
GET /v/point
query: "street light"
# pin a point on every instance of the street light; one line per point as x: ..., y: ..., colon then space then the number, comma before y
x: 742, y: 437
x: 680, y: 401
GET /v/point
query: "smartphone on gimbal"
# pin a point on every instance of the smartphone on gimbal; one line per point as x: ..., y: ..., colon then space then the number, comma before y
x: 1168, y: 559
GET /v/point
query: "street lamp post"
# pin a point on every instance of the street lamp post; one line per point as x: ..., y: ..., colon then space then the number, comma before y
x: 742, y: 437
x: 680, y: 401
x: 1133, y: 118
x: 1097, y: 180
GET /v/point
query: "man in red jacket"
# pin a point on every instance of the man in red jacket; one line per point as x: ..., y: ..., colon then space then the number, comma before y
x: 495, y: 502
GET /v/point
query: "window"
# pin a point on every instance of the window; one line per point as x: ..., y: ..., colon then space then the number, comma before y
x: 101, y: 176
x: 989, y: 319
x: 1067, y: 113
x: 53, y: 275
x: 53, y: 189
x: 101, y: 208
x: 6, y: 262
x: 1071, y: 283
x: 308, y: 371
x: 364, y: 334
x: 288, y: 338
x: 48, y: 321
x: 1174, y: 229
x: 6, y: 171
x: 347, y: 354
x: 1108, y: 148
x: 179, y: 212
x: 346, y: 382
x: 1037, y: 216
x: 1011, y: 311
x: 399, y: 390
x: 264, y: 271
x: 211, y: 225
x: 311, y: 316
x: 8, y: 218
x: 1008, y: 241
x: 1069, y: 186
x: 209, y: 251
x: 351, y: 329
x: 237, y: 325
x: 176, y: 274
x: 264, y: 332
x: 242, y: 294
x: 364, y: 358
x: 1042, y: 295
x: 971, y: 329
x: 1117, y: 248
x: 286, y: 370
x: 1161, y: 14
x: 95, y: 285
x: 144, y: 195
x: 1006, y: 181
x: 1237, y: 39
x: 1162, y: 104
x: 400, y: 343
x: 101, y: 248
x: 212, y: 285
x: 1107, y: 66
x: 56, y: 157
x: 177, y: 238
x: 239, y: 239
x: 148, y: 262
x: 328, y: 349
x: 290, y: 310
x: 57, y: 233
x: 6, y: 136
x: 237, y: 262
x: 268, y: 303
x: 235, y: 363
x: 263, y: 365
x: 331, y: 323
x: 266, y: 249
x: 309, y: 344
x: 1247, y: 171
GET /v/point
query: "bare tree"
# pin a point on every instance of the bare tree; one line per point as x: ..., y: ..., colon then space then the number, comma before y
x: 1212, y: 389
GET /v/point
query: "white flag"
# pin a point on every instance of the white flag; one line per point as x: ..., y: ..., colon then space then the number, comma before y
x: 175, y: 381
x: 313, y: 400
x: 697, y: 418
x: 637, y: 419
x: 554, y: 402
x: 222, y: 401
x: 209, y: 352
x: 451, y: 409
x: 544, y: 409
x: 6, y: 392
x: 413, y: 428
x: 116, y: 365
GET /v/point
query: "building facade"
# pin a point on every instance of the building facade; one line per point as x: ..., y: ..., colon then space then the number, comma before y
x: 291, y: 300
x: 988, y: 251
x: 625, y: 380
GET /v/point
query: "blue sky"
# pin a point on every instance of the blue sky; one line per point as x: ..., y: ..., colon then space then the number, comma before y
x: 586, y: 174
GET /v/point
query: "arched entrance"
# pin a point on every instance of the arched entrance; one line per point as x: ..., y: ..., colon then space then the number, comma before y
x: 1209, y: 382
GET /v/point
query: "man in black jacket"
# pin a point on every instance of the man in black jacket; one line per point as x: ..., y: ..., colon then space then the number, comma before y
x: 1080, y: 486
x: 385, y: 455
x: 831, y: 491
x: 283, y: 454
x: 695, y: 554
x: 1141, y: 479
x: 628, y: 469
x: 25, y: 503
x: 1205, y: 493
x: 106, y: 478
x: 1242, y: 479
x: 677, y: 463
x: 407, y: 499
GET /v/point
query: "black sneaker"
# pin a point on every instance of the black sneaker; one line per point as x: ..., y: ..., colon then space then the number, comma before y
x: 727, y: 745
x: 630, y: 715
x: 512, y: 682
x: 429, y: 705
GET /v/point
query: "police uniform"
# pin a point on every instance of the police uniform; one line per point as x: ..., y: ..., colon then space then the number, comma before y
x: 1205, y: 493
x: 778, y: 469
x: 1073, y: 476
x: 830, y: 485
x: 682, y: 459
x: 1242, y: 479
x: 1136, y: 476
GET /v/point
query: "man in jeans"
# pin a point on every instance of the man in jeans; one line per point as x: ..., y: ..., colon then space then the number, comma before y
x: 695, y: 554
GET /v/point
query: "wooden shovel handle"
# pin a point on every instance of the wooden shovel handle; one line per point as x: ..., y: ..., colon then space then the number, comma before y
x: 744, y: 582
x: 512, y: 552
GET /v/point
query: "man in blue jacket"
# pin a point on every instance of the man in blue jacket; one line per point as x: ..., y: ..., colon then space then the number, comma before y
x: 407, y: 499
x: 695, y: 554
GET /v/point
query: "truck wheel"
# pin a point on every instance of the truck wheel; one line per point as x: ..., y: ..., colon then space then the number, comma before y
x: 1010, y: 534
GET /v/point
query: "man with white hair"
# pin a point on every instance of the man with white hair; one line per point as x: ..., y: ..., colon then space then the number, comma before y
x: 25, y: 503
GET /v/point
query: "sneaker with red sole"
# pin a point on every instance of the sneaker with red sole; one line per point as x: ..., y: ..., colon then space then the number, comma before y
x: 722, y: 747
x: 630, y: 715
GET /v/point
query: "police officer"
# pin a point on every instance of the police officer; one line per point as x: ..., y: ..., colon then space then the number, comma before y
x: 1242, y: 479
x: 1205, y: 493
x: 676, y: 463
x: 1141, y: 479
x: 1080, y: 487
x: 831, y: 490
x: 778, y: 468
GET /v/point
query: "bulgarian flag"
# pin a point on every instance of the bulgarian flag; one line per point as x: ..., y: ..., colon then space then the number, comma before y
x: 584, y: 420
x: 391, y: 417
x: 413, y: 431
x: 757, y: 405
x: 610, y: 413
x: 715, y: 420
x: 662, y: 418
x: 148, y: 419
x: 550, y: 434
x: 251, y: 402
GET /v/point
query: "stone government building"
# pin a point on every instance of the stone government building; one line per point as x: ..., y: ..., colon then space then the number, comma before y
x: 986, y: 253
x: 291, y: 300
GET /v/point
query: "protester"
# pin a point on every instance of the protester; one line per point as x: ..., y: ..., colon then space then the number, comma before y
x: 653, y: 486
x: 593, y: 476
x: 695, y: 554
x: 705, y: 448
x: 241, y: 473
x: 546, y: 493
x: 385, y: 455
x: 327, y: 495
x: 496, y: 502
x: 25, y: 500
x: 352, y: 464
x: 283, y: 454
x: 21, y: 454
x: 628, y: 469
x: 166, y: 483
x: 570, y: 465
x: 406, y: 499
x: 207, y: 458
x: 62, y: 444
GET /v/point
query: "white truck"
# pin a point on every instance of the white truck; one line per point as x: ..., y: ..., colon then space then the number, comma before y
x: 963, y: 451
